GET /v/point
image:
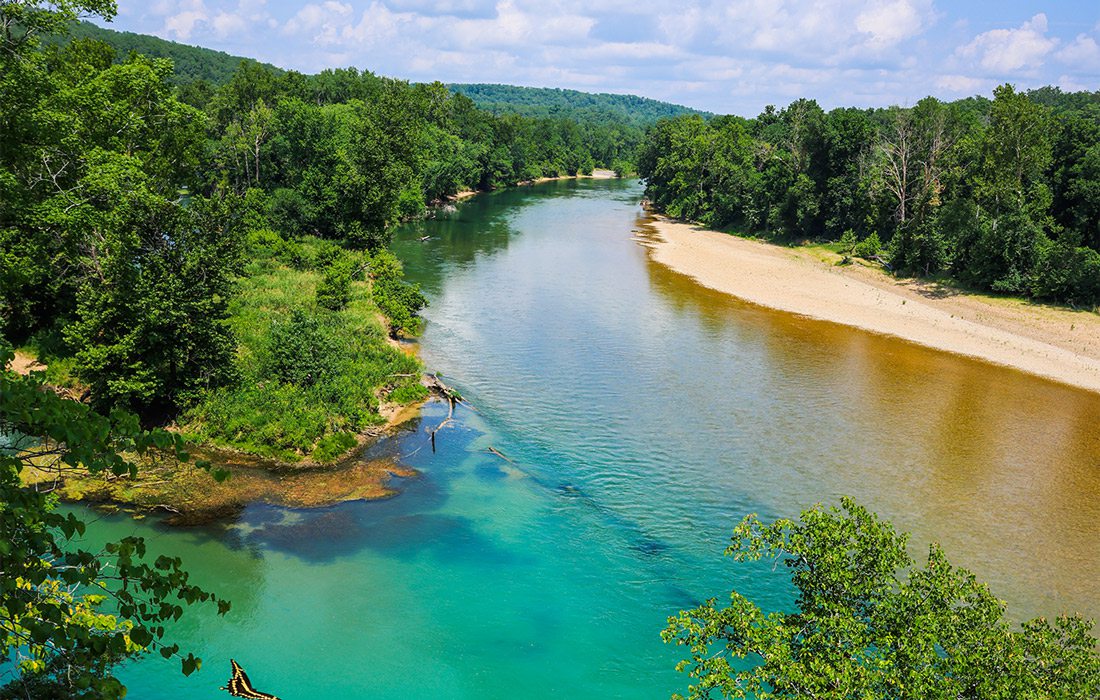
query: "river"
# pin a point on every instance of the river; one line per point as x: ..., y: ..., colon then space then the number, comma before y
x: 639, y: 416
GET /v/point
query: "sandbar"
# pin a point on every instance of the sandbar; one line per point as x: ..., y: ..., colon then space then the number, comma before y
x: 1054, y: 342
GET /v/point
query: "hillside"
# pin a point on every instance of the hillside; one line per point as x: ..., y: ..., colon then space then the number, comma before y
x: 582, y: 106
x: 191, y: 62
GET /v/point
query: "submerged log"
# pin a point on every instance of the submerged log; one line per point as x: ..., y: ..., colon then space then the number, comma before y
x: 436, y: 386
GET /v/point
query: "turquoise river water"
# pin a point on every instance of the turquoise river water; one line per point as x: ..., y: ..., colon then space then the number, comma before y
x: 640, y: 416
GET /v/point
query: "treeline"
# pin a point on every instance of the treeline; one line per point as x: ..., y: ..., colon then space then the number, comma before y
x: 582, y: 106
x: 617, y: 122
x: 137, y: 211
x: 1000, y: 195
x: 190, y: 63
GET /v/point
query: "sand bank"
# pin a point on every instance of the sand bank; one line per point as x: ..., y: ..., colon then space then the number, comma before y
x: 1052, y: 342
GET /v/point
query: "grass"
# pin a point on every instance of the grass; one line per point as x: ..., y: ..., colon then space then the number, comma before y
x: 288, y: 417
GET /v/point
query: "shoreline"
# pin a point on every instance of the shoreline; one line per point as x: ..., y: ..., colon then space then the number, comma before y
x: 1055, y: 343
x: 596, y: 174
x: 187, y: 495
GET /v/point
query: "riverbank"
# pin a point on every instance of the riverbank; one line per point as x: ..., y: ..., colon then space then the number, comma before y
x: 1052, y: 342
x: 188, y: 495
x: 596, y: 174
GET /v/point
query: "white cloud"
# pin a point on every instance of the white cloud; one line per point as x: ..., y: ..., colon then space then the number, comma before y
x: 961, y: 84
x: 226, y: 24
x: 1082, y: 53
x: 332, y: 23
x: 183, y: 18
x: 183, y: 21
x: 889, y: 23
x: 1008, y: 51
x: 835, y: 31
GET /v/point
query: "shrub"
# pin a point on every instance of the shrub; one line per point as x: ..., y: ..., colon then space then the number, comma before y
x: 334, y: 291
x: 1068, y: 273
x: 869, y: 247
x: 300, y: 351
x: 399, y: 300
x: 848, y: 242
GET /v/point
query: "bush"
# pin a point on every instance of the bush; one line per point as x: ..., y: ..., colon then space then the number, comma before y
x: 334, y: 291
x: 265, y: 243
x: 300, y: 351
x: 1067, y: 273
x: 848, y: 242
x: 869, y: 247
x: 399, y: 300
x: 286, y: 211
x: 332, y: 446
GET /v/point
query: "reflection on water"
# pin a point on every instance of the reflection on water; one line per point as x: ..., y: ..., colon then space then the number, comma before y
x: 1000, y: 467
x: 624, y: 418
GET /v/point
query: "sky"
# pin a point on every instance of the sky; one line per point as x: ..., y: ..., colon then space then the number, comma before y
x: 731, y: 57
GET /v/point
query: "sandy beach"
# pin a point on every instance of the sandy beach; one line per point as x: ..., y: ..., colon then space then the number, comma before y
x: 1052, y: 342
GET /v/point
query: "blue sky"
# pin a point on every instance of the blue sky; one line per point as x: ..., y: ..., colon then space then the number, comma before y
x: 734, y: 56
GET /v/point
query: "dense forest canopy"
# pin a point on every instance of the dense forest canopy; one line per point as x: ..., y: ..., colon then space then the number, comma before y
x: 556, y: 102
x: 1000, y: 195
x: 190, y: 63
x: 135, y: 201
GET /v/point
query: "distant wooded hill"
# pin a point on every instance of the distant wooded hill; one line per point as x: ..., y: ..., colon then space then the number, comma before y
x: 194, y: 63
x: 555, y: 102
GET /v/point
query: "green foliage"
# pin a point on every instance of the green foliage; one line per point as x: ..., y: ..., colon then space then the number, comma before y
x: 192, y: 63
x: 332, y: 446
x: 399, y: 300
x: 848, y: 242
x: 1067, y: 272
x: 867, y: 624
x: 306, y: 373
x: 578, y: 106
x: 69, y: 614
x: 300, y: 351
x: 869, y: 247
x: 334, y: 291
x: 997, y: 193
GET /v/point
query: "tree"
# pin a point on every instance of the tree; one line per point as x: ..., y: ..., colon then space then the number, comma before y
x: 67, y: 614
x: 862, y: 630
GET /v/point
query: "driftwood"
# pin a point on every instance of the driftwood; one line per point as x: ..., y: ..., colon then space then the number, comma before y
x: 494, y: 451
x: 438, y: 388
x: 882, y: 261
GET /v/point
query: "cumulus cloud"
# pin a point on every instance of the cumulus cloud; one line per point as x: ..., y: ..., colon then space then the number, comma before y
x: 181, y: 22
x: 185, y: 19
x: 1082, y: 53
x: 961, y: 84
x: 836, y: 31
x: 324, y: 22
x: 1010, y: 51
x: 334, y: 23
x: 889, y: 23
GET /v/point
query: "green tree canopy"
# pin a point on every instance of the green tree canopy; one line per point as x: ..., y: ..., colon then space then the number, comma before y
x: 69, y: 614
x: 868, y: 624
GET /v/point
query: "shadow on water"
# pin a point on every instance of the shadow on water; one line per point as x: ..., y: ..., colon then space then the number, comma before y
x: 483, y: 226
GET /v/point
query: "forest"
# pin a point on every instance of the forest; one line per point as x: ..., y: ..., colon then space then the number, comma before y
x: 1000, y: 195
x: 215, y: 255
x: 556, y: 102
x: 190, y: 247
x: 189, y: 63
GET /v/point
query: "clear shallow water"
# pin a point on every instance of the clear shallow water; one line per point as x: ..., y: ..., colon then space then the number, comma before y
x: 643, y: 416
